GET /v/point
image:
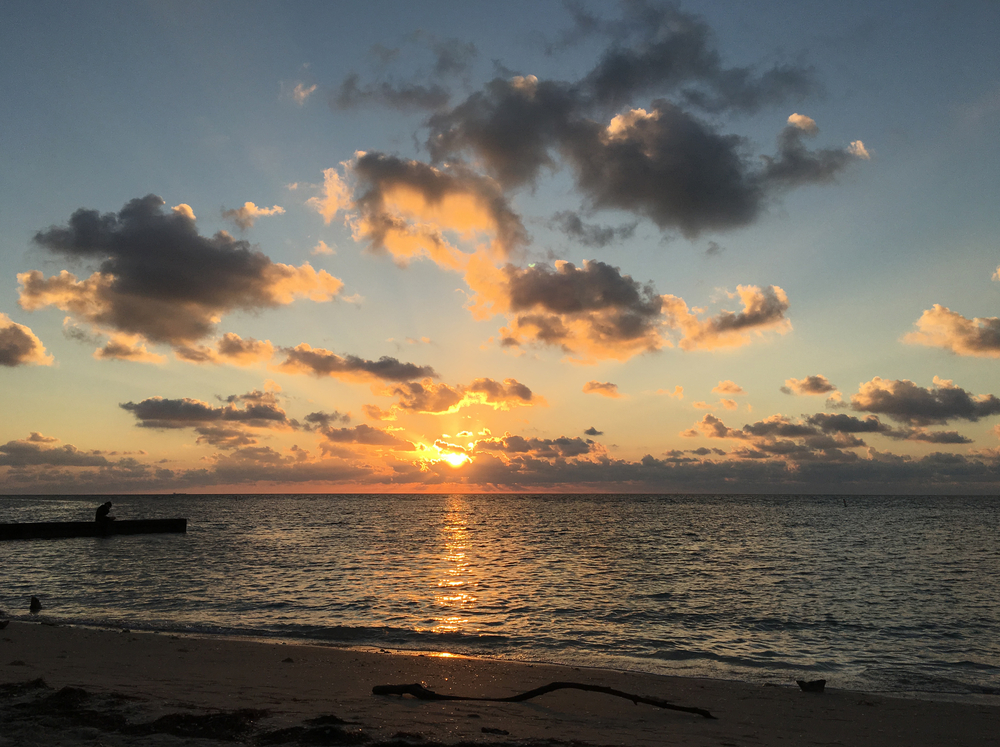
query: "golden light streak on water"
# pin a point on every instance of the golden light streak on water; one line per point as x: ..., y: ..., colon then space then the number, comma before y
x: 456, y: 587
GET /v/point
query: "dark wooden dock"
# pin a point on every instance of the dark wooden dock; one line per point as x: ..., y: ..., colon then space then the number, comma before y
x: 62, y: 529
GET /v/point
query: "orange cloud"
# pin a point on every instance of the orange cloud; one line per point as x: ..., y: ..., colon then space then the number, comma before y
x: 728, y: 387
x: 804, y: 123
x: 763, y: 310
x: 19, y: 346
x: 440, y: 399
x: 941, y: 327
x: 604, y: 388
x: 408, y: 209
x: 678, y: 392
x: 231, y: 348
x: 301, y: 92
x: 127, y: 348
x: 246, y: 216
x: 336, y: 196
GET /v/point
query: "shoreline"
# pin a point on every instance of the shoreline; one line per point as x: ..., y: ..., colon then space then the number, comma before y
x: 297, y: 681
x: 276, y: 638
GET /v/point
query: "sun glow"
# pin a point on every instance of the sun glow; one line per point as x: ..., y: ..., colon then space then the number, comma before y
x: 455, y: 460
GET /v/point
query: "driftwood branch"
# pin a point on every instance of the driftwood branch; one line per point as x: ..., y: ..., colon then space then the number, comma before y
x: 420, y: 692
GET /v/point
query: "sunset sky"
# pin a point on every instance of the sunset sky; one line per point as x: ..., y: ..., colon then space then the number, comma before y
x: 521, y: 246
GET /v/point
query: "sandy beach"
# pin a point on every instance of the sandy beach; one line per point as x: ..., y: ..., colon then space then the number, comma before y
x: 110, y: 687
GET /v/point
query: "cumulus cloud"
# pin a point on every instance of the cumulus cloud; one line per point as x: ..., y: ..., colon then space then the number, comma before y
x: 592, y: 431
x: 409, y: 209
x: 438, y: 399
x: 160, y: 279
x: 817, y: 384
x: 941, y: 327
x: 905, y: 402
x: 604, y: 388
x: 305, y: 359
x: 19, y: 346
x: 323, y: 248
x: 804, y: 123
x: 596, y: 312
x: 593, y: 311
x: 728, y: 387
x: 858, y: 150
x: 763, y: 310
x: 244, y: 217
x: 661, y: 162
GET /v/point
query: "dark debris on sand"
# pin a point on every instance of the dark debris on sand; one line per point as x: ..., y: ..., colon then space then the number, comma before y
x: 32, y: 714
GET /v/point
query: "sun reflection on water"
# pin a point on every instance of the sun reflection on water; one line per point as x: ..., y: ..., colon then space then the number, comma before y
x: 457, y: 587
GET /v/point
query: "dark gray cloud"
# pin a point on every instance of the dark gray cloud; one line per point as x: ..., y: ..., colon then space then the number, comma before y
x: 305, y: 359
x: 33, y: 452
x: 938, y: 437
x: 453, y: 56
x: 449, y: 57
x: 571, y: 290
x: 591, y: 234
x: 511, y: 126
x: 796, y: 165
x: 669, y: 167
x: 611, y: 306
x: 366, y: 436
x: 543, y: 448
x: 223, y: 437
x: 592, y: 431
x: 664, y: 163
x: 321, y: 419
x: 841, y: 423
x: 656, y: 48
x: 905, y: 402
x: 259, y: 410
x: 158, y: 277
x: 352, y: 94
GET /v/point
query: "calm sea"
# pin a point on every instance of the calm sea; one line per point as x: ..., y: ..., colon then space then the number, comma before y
x: 884, y: 594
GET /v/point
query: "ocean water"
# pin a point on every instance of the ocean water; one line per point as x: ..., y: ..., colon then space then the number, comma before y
x: 881, y: 594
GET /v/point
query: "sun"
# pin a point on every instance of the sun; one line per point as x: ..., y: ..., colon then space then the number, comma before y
x: 455, y: 460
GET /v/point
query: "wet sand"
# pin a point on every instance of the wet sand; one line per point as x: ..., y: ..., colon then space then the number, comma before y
x: 110, y: 688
